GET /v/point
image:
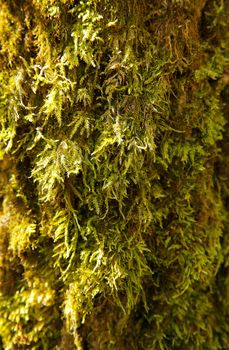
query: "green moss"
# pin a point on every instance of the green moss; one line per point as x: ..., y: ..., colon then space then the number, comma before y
x: 114, y: 174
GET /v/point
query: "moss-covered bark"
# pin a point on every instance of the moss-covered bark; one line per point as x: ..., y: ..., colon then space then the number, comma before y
x: 114, y: 174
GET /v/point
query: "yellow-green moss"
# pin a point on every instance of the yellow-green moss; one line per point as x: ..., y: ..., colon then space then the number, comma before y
x: 114, y: 174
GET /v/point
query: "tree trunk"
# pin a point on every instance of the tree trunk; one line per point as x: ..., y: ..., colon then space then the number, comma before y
x: 114, y: 174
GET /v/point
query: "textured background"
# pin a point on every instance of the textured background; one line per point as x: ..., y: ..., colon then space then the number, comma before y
x: 114, y: 174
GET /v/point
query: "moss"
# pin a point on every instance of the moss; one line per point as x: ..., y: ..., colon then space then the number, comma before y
x: 114, y: 174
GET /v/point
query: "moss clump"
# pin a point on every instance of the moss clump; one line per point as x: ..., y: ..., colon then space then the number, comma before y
x: 114, y: 174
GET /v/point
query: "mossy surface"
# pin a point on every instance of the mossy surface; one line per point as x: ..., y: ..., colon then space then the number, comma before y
x: 114, y: 174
